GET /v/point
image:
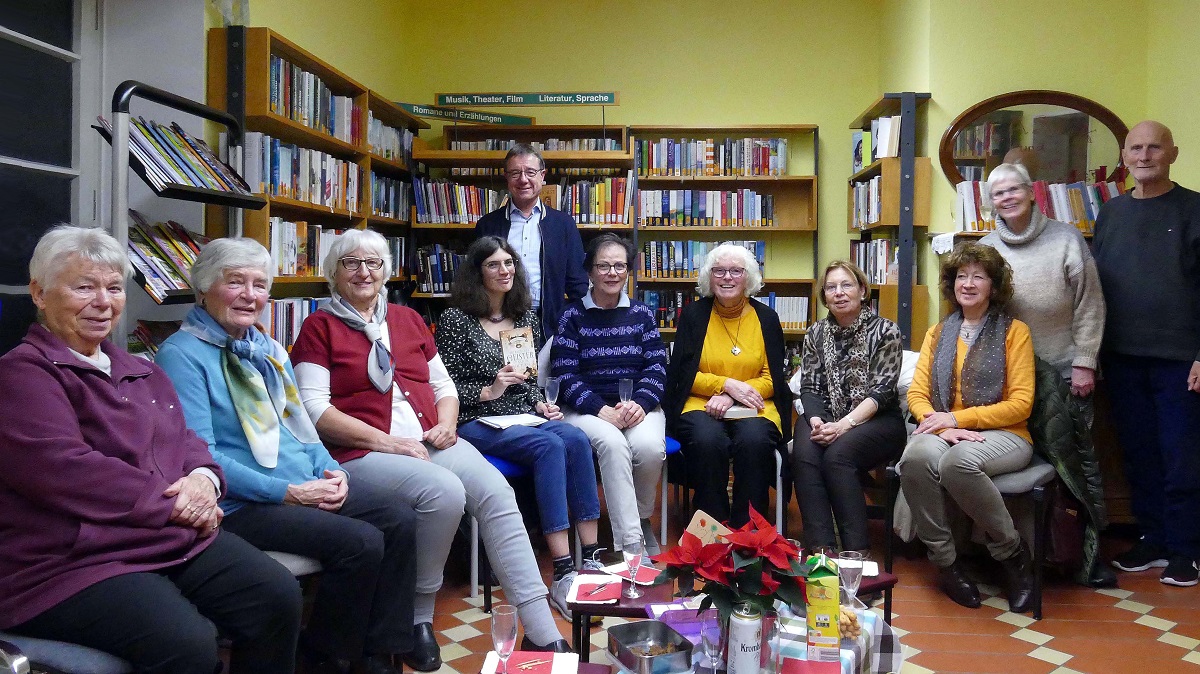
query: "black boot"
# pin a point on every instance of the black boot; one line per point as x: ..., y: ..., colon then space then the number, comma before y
x: 425, y: 655
x: 1018, y: 577
x: 957, y: 586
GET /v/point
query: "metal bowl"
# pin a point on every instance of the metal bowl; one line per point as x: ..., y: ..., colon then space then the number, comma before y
x: 622, y: 639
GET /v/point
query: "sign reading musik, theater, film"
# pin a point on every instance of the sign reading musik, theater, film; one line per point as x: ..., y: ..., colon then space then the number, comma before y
x: 541, y: 98
x: 470, y: 116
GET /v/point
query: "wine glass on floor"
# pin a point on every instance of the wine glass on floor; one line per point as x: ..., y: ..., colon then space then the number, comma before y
x: 552, y: 390
x: 632, y: 550
x: 712, y: 633
x: 504, y: 632
x: 625, y: 389
x: 850, y: 568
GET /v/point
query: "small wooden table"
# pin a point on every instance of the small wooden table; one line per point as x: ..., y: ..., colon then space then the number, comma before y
x: 581, y: 614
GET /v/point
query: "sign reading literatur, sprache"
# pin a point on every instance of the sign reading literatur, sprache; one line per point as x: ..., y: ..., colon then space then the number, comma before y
x: 542, y: 98
x: 462, y: 115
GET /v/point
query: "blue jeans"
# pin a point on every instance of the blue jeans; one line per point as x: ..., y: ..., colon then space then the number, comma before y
x: 560, y: 458
x: 1158, y: 423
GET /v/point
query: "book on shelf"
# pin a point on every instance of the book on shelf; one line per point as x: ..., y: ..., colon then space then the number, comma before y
x: 868, y: 202
x: 288, y: 170
x: 983, y: 139
x: 435, y: 268
x: 711, y: 157
x: 860, y: 150
x: 878, y: 258
x: 548, y: 145
x: 683, y: 259
x: 164, y: 253
x: 388, y: 141
x: 282, y: 318
x: 707, y: 208
x: 593, y: 202
x: 519, y: 350
x: 147, y: 336
x: 171, y: 156
x: 303, y: 97
x: 1076, y: 203
x: 390, y: 197
x: 667, y: 305
x: 885, y: 137
x: 792, y: 310
x: 300, y: 248
x: 445, y: 202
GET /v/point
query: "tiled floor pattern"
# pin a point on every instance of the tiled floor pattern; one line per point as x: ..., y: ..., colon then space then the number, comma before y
x: 1143, y: 627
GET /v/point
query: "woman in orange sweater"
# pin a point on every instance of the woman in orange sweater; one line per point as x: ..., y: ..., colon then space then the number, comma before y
x: 972, y: 394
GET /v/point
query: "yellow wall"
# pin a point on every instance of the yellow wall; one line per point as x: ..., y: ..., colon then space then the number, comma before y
x: 1173, y: 80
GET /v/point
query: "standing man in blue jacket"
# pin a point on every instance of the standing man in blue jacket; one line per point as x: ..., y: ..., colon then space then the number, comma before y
x: 547, y: 239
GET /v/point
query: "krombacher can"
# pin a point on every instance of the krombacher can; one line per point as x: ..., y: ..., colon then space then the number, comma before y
x: 745, y: 640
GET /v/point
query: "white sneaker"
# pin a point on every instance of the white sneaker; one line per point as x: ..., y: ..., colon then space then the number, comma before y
x: 592, y: 565
x: 558, y: 594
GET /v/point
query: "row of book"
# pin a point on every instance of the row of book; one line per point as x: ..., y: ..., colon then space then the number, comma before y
x: 710, y: 157
x: 445, y: 202
x: 287, y: 170
x: 878, y: 258
x: 164, y: 253
x: 882, y: 140
x: 867, y: 204
x: 548, y: 145
x: 172, y: 156
x: 389, y: 142
x: 983, y: 139
x: 594, y: 202
x: 1076, y: 203
x: 792, y: 310
x: 299, y: 248
x: 304, y: 97
x: 667, y: 305
x: 435, y: 267
x: 282, y: 318
x: 683, y: 259
x: 708, y: 208
x: 390, y: 197
x: 147, y: 336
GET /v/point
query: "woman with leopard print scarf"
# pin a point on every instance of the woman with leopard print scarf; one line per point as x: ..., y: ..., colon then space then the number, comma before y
x: 851, y: 418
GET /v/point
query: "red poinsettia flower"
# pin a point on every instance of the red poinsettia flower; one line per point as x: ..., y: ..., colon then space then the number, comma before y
x: 759, y: 538
x: 684, y: 554
x: 769, y: 584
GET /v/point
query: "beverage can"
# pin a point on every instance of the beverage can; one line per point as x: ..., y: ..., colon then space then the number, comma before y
x: 745, y: 640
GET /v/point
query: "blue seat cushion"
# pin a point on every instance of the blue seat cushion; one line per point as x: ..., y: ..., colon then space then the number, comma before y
x: 672, y: 445
x: 507, y: 468
x: 65, y: 657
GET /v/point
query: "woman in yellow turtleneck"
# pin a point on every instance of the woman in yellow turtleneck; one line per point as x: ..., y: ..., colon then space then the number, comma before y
x: 721, y: 402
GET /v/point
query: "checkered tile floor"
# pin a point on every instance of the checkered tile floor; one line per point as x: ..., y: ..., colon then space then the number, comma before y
x: 1142, y: 627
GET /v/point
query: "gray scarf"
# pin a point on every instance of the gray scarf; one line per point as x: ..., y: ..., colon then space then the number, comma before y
x: 380, y: 368
x: 982, y: 376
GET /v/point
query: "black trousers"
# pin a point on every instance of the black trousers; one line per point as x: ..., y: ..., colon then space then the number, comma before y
x: 826, y: 478
x: 167, y: 621
x: 364, y: 600
x: 709, y: 446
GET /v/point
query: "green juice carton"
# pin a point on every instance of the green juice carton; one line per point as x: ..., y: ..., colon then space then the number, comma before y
x: 822, y: 601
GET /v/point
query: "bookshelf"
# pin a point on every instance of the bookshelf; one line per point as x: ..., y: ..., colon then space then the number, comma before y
x: 701, y: 185
x: 898, y: 192
x: 246, y: 79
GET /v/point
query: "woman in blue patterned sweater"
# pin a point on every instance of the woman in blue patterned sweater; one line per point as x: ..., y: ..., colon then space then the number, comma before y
x: 603, y: 338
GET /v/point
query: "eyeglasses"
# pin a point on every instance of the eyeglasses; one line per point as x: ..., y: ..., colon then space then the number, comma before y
x: 353, y: 263
x: 846, y: 287
x: 1014, y: 191
x: 730, y: 273
x: 604, y: 267
x: 527, y: 173
x: 494, y: 265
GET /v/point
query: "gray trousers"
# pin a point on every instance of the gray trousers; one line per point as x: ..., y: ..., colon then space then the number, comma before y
x: 631, y: 462
x: 438, y: 489
x: 931, y: 468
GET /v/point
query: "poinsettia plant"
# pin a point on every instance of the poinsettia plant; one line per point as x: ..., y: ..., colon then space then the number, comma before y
x: 752, y: 565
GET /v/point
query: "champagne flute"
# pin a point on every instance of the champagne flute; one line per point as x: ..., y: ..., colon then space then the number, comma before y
x: 552, y: 390
x: 632, y: 552
x: 712, y: 632
x: 626, y: 390
x: 504, y: 632
x: 850, y: 568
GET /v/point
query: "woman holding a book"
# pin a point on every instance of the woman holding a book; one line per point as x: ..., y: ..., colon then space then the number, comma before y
x: 972, y: 394
x: 490, y: 305
x: 285, y: 492
x: 603, y: 339
x: 722, y: 402
x: 376, y: 387
x: 109, y: 503
x: 851, y: 419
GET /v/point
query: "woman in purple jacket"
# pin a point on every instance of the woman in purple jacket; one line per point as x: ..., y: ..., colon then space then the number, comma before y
x: 108, y: 503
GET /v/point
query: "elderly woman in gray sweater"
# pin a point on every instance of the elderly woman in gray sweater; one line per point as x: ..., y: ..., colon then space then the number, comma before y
x: 1056, y: 286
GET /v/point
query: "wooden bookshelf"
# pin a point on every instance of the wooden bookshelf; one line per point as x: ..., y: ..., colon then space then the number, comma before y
x: 259, y: 44
x: 888, y: 298
x: 888, y: 169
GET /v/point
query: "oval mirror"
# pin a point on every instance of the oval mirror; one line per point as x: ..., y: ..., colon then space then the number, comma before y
x: 1060, y: 137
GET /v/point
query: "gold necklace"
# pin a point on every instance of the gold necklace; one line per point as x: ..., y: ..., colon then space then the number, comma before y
x: 734, y: 337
